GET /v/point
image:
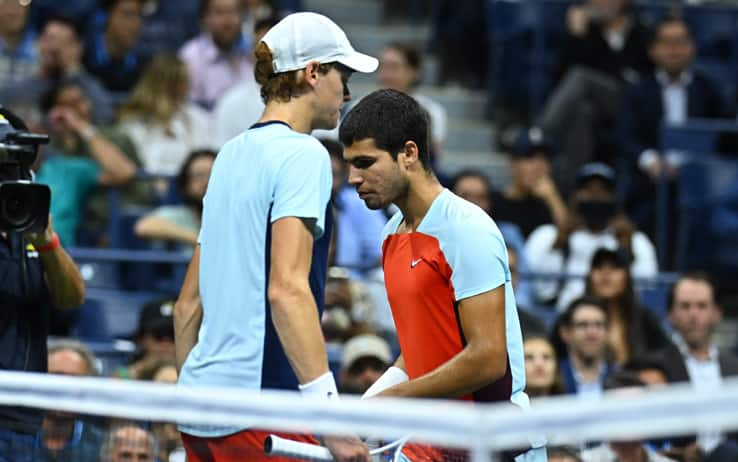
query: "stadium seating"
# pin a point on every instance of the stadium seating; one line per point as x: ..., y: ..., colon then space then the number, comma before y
x: 701, y: 184
x: 111, y: 314
x: 527, y: 36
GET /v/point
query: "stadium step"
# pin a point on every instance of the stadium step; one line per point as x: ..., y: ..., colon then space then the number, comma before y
x: 371, y: 39
x: 494, y: 165
x: 470, y: 137
x: 343, y: 12
x: 459, y: 103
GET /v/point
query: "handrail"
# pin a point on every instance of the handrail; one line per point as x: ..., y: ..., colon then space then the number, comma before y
x: 124, y: 255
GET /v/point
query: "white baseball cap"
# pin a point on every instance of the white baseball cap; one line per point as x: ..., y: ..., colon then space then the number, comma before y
x: 365, y: 345
x: 303, y: 37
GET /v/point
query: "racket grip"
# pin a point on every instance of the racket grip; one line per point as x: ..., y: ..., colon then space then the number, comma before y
x: 276, y: 446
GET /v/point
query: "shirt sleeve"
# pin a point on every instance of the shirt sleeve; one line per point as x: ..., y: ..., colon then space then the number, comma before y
x: 303, y: 187
x: 645, y: 264
x: 478, y: 264
x: 544, y: 258
x: 89, y: 172
x: 178, y: 215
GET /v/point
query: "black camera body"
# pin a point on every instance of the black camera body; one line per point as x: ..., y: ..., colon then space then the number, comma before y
x: 24, y: 206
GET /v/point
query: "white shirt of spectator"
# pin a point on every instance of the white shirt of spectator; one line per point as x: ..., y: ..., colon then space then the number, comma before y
x: 438, y: 117
x: 603, y: 453
x: 590, y: 391
x: 237, y: 110
x: 674, y: 96
x: 705, y: 377
x: 675, y: 102
x: 583, y: 244
x: 163, y: 150
x: 616, y: 38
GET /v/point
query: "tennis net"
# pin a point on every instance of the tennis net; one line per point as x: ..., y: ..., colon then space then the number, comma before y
x: 117, y: 414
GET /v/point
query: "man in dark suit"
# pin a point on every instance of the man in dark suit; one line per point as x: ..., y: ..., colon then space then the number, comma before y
x: 694, y: 314
x: 673, y: 93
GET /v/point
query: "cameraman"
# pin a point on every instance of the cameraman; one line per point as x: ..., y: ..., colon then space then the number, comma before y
x: 36, y: 274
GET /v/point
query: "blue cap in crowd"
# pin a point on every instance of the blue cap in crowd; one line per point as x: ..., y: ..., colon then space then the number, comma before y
x: 532, y: 141
x: 596, y: 170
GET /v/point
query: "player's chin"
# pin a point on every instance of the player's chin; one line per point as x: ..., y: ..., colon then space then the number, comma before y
x: 374, y: 203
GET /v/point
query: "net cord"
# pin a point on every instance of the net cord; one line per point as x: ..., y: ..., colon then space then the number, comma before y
x: 623, y: 414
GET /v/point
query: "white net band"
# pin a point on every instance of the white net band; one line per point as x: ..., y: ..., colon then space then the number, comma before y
x: 640, y: 413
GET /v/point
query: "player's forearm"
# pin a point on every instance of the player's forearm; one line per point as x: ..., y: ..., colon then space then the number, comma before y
x: 475, y: 367
x: 187, y: 320
x: 400, y: 363
x: 559, y: 211
x: 296, y: 321
x: 153, y: 227
x: 116, y: 168
x: 188, y: 312
x: 65, y: 284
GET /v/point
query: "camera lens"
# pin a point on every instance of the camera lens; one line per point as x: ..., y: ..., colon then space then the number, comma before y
x: 16, y: 209
x: 24, y: 207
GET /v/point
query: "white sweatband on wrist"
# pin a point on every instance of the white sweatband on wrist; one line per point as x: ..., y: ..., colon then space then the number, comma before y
x: 323, y: 387
x: 88, y: 133
x: 646, y: 158
x: 391, y: 377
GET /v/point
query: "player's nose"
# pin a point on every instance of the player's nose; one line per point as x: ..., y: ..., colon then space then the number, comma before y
x: 354, y: 178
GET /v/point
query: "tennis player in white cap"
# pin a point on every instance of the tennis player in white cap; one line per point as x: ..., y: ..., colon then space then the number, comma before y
x: 249, y: 309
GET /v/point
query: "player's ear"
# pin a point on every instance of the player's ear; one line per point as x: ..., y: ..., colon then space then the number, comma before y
x: 311, y: 72
x: 411, y: 152
x: 564, y: 333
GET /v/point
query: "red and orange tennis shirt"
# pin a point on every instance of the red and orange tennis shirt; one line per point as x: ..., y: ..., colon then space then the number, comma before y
x: 456, y: 252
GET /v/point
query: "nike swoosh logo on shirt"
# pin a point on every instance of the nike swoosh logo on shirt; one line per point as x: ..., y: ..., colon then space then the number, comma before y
x: 414, y: 263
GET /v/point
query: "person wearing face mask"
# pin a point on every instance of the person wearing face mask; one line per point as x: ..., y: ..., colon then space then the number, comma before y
x: 596, y: 220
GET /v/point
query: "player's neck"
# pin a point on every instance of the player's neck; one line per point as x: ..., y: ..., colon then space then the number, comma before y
x: 420, y: 195
x: 292, y: 113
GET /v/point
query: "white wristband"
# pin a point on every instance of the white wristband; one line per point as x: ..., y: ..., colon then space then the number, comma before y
x: 324, y: 387
x: 391, y: 377
x: 88, y: 133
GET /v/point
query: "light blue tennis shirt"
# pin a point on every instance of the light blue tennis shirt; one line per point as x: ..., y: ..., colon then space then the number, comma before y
x: 266, y: 173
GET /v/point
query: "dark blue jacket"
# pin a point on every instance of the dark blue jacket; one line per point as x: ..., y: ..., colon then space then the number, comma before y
x: 566, y: 371
x: 643, y: 112
x: 25, y: 307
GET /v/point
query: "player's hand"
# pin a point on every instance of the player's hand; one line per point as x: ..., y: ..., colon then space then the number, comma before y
x: 564, y: 231
x: 623, y: 229
x: 41, y: 239
x: 347, y: 449
x: 545, y: 188
x: 577, y: 20
x: 63, y: 119
x: 654, y: 168
x: 689, y: 453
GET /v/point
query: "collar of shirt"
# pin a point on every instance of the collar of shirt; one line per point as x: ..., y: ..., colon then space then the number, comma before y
x: 684, y: 350
x: 211, y: 53
x: 616, y: 39
x: 102, y: 56
x: 26, y: 49
x: 580, y: 380
x: 684, y: 79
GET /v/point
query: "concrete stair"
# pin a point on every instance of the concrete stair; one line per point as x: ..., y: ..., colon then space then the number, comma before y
x: 469, y: 141
x: 348, y: 11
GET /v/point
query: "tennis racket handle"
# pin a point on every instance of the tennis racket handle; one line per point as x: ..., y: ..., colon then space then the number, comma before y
x: 276, y: 446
